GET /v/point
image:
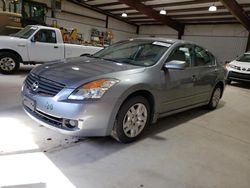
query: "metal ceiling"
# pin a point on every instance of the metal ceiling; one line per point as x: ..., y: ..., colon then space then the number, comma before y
x: 179, y: 12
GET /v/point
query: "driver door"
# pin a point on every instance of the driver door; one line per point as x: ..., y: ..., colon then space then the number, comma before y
x: 178, y: 85
x: 44, y: 47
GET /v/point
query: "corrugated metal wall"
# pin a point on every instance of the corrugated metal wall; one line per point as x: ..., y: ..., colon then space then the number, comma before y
x: 224, y: 48
x: 226, y: 41
x: 158, y: 31
x: 85, y: 21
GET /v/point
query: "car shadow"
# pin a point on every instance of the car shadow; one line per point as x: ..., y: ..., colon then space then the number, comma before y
x: 24, y: 70
x: 90, y: 150
x: 172, y: 121
x: 109, y: 145
x: 244, y: 85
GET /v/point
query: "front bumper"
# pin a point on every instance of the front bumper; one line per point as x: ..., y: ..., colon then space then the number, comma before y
x: 94, y: 117
x: 236, y: 76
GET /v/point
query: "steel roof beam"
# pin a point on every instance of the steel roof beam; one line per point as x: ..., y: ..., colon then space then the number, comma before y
x: 238, y: 12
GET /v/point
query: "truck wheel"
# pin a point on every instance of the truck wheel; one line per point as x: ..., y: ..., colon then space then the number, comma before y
x: 9, y: 63
x: 131, y: 120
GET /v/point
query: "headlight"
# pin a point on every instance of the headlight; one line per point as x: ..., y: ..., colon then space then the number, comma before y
x: 93, y: 90
x: 233, y: 66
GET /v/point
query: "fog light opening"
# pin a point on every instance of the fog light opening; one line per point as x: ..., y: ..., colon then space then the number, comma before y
x: 70, y: 123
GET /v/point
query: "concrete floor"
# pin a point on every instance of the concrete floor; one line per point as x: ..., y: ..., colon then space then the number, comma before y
x: 192, y: 149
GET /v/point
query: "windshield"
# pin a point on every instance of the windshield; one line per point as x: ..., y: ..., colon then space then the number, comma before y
x: 26, y: 32
x: 244, y: 58
x: 136, y: 52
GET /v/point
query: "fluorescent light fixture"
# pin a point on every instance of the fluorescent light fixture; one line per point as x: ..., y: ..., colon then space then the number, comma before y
x: 212, y: 8
x: 124, y: 14
x: 163, y: 12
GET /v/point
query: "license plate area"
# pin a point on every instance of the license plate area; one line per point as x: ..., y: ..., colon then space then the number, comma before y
x: 31, y: 104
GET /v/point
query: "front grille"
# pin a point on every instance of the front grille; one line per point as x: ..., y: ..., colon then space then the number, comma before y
x: 45, y: 86
x: 236, y: 75
x: 57, y: 122
x: 49, y: 119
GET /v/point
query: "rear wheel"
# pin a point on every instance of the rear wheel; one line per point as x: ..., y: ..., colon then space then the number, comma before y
x: 132, y: 118
x: 9, y: 63
x: 215, y: 98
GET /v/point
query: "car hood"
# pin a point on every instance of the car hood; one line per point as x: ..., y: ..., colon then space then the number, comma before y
x: 245, y: 65
x: 76, y: 71
x: 10, y: 39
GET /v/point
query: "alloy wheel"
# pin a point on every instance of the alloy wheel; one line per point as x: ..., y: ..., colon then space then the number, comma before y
x: 216, y: 97
x: 7, y: 64
x: 135, y: 120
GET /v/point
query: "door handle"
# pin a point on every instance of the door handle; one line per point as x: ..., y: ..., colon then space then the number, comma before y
x: 194, y: 78
x: 55, y: 46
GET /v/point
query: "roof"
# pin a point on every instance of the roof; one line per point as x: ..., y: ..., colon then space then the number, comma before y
x: 162, y: 39
x: 44, y: 27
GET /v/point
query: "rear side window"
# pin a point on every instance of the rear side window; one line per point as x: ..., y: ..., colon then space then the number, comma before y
x: 45, y: 36
x: 203, y: 57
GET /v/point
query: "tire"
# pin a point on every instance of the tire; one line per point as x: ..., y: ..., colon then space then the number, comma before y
x: 9, y: 63
x: 215, y: 98
x: 228, y: 81
x: 130, y: 123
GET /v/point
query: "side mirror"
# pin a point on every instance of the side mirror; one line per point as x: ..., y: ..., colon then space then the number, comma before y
x: 33, y: 39
x: 175, y: 64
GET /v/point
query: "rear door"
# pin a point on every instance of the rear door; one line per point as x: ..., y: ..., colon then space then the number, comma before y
x: 204, y: 65
x: 44, y: 46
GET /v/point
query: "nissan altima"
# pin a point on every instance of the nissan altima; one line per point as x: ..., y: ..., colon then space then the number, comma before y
x: 124, y: 88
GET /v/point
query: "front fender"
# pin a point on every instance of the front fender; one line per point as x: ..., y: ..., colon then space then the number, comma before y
x: 124, y: 95
x: 19, y: 48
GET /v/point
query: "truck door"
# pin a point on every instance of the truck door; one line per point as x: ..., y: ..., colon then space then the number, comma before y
x: 44, y: 47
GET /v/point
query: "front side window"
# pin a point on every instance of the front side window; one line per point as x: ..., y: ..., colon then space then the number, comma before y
x: 46, y: 36
x: 136, y: 52
x: 203, y: 57
x: 244, y: 58
x: 182, y: 53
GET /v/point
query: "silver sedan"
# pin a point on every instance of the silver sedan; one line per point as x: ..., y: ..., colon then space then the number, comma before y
x: 122, y: 89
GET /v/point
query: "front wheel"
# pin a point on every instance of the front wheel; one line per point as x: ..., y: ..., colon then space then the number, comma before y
x: 9, y: 63
x: 228, y: 81
x: 215, y: 98
x: 132, y: 118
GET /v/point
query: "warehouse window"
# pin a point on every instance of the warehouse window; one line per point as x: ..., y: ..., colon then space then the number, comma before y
x: 46, y: 36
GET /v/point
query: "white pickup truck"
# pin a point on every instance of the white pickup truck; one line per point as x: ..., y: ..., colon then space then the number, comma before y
x: 36, y: 45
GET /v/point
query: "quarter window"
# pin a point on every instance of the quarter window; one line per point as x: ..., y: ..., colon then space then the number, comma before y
x: 46, y: 36
x: 203, y: 57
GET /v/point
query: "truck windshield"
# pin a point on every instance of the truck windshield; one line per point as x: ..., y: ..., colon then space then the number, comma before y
x: 136, y: 52
x: 26, y: 32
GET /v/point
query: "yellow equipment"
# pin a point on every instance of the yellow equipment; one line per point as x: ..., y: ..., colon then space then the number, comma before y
x: 10, y: 22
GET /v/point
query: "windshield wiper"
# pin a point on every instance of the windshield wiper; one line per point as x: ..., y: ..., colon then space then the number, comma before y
x: 107, y: 59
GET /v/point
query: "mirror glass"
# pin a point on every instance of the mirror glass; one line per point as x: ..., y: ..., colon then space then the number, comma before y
x: 175, y: 64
